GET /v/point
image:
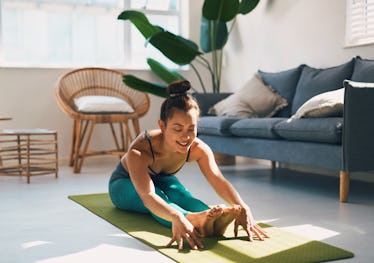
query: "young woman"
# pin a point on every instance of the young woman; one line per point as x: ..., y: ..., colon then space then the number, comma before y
x: 144, y: 181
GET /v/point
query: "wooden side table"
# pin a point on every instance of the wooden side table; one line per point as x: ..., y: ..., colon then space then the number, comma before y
x: 28, y: 152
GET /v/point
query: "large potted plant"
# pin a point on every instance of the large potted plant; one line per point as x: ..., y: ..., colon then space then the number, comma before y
x: 214, y: 33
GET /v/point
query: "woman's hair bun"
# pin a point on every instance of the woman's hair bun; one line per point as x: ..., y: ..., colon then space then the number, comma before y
x: 178, y: 88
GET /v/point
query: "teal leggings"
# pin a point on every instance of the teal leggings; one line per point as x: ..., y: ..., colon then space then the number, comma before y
x: 124, y: 196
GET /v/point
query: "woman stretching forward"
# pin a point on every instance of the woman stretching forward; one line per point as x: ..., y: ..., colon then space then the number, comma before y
x: 144, y: 179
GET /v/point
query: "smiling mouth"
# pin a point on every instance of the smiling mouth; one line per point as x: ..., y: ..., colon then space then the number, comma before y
x: 184, y: 144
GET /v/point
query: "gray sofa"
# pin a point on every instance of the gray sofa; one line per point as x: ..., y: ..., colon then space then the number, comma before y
x: 343, y: 143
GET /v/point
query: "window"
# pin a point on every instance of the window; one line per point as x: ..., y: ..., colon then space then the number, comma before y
x: 171, y: 15
x: 76, y: 33
x: 360, y: 22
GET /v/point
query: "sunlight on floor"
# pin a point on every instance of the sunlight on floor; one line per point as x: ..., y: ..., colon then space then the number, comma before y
x: 267, y: 221
x: 310, y: 231
x: 306, y: 230
x: 34, y: 244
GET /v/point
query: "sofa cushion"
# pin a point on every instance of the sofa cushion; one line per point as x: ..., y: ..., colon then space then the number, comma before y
x: 314, y: 81
x: 324, y: 130
x: 215, y: 125
x: 255, y: 99
x: 207, y: 100
x: 284, y: 82
x: 363, y: 70
x: 327, y: 104
x: 256, y: 127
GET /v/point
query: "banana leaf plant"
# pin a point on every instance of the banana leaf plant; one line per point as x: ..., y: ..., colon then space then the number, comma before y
x: 214, y: 33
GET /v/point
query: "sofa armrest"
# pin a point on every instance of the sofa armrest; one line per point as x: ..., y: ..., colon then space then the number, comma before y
x: 358, y: 130
x: 207, y: 100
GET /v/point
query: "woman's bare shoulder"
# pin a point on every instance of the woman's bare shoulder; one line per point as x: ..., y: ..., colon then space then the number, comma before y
x: 199, y: 144
x: 140, y: 148
x: 142, y: 141
x: 199, y: 149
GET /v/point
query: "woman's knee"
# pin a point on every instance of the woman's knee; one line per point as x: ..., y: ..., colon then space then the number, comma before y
x: 124, y: 196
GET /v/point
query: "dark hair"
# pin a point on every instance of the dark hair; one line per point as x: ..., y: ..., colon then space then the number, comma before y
x: 178, y: 99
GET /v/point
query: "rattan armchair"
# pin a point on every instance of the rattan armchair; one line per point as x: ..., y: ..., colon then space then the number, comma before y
x: 99, y: 82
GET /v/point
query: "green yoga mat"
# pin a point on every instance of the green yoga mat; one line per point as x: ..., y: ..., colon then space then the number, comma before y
x: 281, y: 247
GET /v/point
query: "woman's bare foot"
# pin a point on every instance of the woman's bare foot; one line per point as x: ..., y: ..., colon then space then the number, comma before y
x: 204, y: 221
x: 228, y: 215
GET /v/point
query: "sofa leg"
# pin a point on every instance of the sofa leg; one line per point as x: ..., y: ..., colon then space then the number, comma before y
x: 344, y: 186
x: 273, y: 166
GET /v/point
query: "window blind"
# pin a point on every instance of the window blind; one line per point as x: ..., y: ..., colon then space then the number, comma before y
x: 360, y: 22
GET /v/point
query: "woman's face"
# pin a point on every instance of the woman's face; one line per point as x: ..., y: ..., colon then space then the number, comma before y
x: 180, y: 130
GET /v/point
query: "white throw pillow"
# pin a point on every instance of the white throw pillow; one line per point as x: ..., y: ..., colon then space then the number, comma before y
x: 328, y: 104
x: 254, y: 100
x: 96, y: 104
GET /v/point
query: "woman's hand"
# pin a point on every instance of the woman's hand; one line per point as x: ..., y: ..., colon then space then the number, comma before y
x: 245, y: 219
x: 183, y: 230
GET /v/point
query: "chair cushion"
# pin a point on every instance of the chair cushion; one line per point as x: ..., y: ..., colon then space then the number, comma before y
x: 328, y: 104
x: 363, y: 70
x: 255, y: 99
x: 324, y: 130
x: 284, y: 82
x: 314, y: 81
x: 256, y: 127
x: 215, y: 125
x: 105, y: 104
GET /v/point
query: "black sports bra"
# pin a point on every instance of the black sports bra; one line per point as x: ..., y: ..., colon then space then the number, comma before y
x: 148, y: 138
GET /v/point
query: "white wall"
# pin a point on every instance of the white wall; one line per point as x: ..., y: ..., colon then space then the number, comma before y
x: 277, y: 35
x: 27, y: 95
x: 282, y: 34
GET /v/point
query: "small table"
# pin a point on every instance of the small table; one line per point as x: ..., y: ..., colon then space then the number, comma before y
x: 28, y: 152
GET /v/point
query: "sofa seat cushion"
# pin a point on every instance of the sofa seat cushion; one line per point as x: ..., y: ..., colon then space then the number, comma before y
x: 324, y: 130
x: 215, y: 125
x: 256, y: 127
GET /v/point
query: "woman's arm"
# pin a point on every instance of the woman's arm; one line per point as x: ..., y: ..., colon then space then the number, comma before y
x: 212, y: 173
x: 137, y: 163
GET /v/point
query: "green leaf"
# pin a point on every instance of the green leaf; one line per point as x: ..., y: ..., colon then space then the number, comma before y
x: 222, y: 10
x: 144, y: 86
x: 141, y: 22
x: 213, y: 35
x: 247, y: 6
x: 163, y: 72
x: 176, y: 73
x: 176, y: 48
